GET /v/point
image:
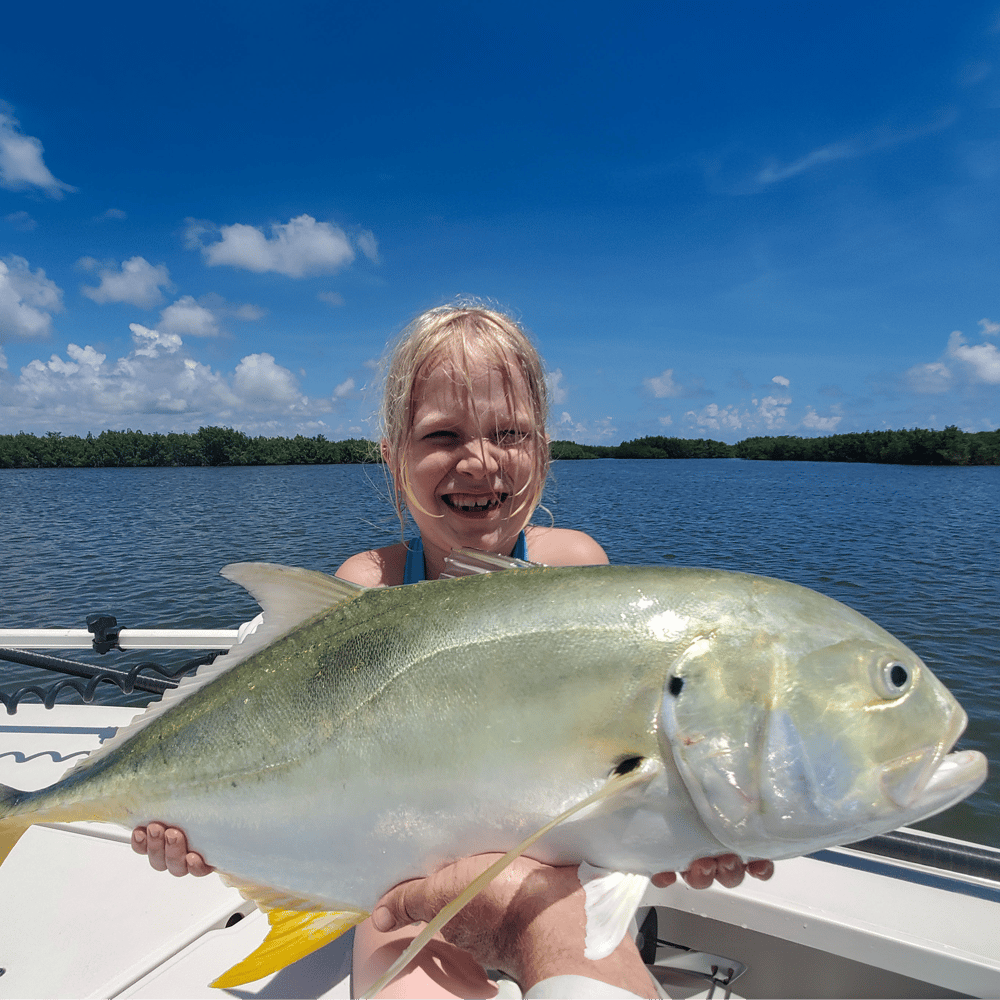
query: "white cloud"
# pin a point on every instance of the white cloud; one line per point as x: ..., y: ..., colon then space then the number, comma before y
x: 815, y: 422
x: 982, y: 360
x: 557, y: 391
x: 187, y: 317
x: 331, y: 298
x: 989, y: 328
x: 159, y: 386
x: 931, y: 378
x: 716, y: 418
x: 27, y: 300
x: 249, y: 312
x: 666, y: 421
x: 781, y: 380
x: 772, y: 410
x: 368, y: 245
x: 21, y: 221
x: 21, y: 164
x: 259, y: 379
x: 849, y: 149
x: 663, y: 385
x: 568, y: 429
x: 114, y: 213
x: 151, y: 343
x: 137, y: 282
x: 299, y: 247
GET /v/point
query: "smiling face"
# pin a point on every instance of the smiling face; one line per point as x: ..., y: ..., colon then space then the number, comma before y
x: 470, y: 456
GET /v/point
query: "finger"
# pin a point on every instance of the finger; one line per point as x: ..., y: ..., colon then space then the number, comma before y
x: 139, y: 840
x: 196, y: 865
x: 761, y: 869
x: 399, y: 906
x: 729, y: 870
x: 662, y: 879
x: 175, y: 851
x: 701, y: 874
x: 155, y: 846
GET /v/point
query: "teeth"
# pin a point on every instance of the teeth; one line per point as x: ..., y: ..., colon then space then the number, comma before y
x: 472, y: 503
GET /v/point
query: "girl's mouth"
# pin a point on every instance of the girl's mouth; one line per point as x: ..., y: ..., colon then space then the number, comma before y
x: 471, y: 504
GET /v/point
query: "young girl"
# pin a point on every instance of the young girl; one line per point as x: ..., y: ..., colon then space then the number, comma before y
x: 463, y: 438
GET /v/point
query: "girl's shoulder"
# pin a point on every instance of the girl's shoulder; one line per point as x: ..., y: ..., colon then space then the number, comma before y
x: 563, y: 547
x: 375, y: 568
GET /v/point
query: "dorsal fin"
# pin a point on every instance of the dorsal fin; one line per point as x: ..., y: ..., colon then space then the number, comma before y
x: 469, y: 562
x: 289, y: 595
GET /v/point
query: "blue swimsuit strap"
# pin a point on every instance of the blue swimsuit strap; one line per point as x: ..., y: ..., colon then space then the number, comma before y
x: 415, y: 571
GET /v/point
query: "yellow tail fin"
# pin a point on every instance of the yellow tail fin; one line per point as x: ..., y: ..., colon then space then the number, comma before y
x: 11, y: 827
x: 293, y: 935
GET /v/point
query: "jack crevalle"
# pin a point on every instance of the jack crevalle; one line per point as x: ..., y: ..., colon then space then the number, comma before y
x: 362, y: 737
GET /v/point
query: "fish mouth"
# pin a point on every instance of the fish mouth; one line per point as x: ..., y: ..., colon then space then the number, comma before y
x: 932, y: 778
x: 471, y: 503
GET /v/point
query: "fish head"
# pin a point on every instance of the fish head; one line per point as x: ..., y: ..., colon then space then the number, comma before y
x: 809, y: 726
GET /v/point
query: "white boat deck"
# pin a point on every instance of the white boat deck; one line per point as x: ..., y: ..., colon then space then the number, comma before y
x: 83, y: 916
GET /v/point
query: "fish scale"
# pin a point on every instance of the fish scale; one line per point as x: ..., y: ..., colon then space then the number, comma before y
x: 363, y: 737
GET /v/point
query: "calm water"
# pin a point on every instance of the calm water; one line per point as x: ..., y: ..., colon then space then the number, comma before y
x: 916, y: 549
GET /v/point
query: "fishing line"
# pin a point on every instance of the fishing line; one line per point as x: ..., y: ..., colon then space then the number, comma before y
x: 616, y: 784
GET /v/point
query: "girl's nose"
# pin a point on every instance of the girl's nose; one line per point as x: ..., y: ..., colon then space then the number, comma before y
x: 480, y: 457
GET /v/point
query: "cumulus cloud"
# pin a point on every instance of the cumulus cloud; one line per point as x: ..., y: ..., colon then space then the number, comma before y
x: 557, y: 391
x: 153, y: 343
x: 781, y: 380
x: 187, y: 317
x: 27, y: 300
x: 927, y: 379
x: 159, y: 385
x: 260, y: 379
x: 663, y: 385
x: 716, y: 418
x: 767, y: 414
x: 568, y: 429
x: 962, y: 364
x: 772, y: 410
x: 815, y: 422
x: 21, y: 163
x: 982, y: 361
x: 297, y: 248
x: 137, y: 282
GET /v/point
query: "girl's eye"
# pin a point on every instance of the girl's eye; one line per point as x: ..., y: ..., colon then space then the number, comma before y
x: 440, y: 436
x: 511, y: 436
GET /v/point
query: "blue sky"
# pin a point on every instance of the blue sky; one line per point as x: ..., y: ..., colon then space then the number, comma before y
x: 718, y: 219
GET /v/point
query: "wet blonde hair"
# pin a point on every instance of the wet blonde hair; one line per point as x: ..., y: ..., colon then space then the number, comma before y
x: 456, y: 332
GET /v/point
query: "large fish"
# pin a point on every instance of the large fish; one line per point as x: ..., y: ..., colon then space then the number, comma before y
x: 362, y: 737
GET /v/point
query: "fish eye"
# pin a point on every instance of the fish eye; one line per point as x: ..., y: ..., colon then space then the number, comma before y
x: 894, y: 679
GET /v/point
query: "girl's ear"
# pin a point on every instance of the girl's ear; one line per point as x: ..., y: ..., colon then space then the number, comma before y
x: 384, y: 448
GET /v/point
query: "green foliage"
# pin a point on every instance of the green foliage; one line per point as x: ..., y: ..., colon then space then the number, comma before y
x: 225, y: 446
x: 209, y: 446
x: 950, y: 446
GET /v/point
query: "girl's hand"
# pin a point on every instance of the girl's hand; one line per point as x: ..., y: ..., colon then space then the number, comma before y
x: 727, y: 868
x: 166, y: 848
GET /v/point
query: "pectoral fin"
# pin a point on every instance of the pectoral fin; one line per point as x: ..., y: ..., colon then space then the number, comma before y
x: 293, y: 935
x: 612, y: 899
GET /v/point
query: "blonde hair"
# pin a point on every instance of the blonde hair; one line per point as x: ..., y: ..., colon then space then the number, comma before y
x: 455, y: 331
